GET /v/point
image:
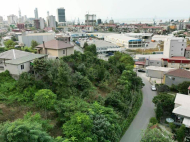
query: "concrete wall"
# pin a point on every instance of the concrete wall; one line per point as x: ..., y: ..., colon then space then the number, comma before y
x: 155, y: 74
x: 155, y: 63
x: 176, y: 81
x: 70, y: 51
x: 16, y: 69
x: 179, y: 65
x: 40, y: 38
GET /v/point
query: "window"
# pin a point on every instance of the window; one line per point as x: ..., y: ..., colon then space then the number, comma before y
x: 181, y: 49
x: 173, y: 78
x: 157, y: 62
x: 22, y: 67
x: 63, y: 51
x: 182, y: 44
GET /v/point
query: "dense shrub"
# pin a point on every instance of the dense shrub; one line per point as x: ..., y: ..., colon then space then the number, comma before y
x: 153, y: 120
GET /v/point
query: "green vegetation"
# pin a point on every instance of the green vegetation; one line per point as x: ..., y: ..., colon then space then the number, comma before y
x: 181, y: 133
x: 183, y: 87
x: 153, y: 120
x: 85, y: 98
x: 156, y: 135
x: 164, y: 103
x: 34, y: 44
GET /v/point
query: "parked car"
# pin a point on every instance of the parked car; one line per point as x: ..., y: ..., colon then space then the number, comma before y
x: 141, y: 70
x: 153, y: 88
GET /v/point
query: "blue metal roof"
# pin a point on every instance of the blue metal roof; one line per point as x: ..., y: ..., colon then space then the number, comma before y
x: 135, y: 40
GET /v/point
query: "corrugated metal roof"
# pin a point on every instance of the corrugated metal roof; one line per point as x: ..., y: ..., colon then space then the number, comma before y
x: 25, y: 59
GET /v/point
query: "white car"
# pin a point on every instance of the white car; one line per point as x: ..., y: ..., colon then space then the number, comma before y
x: 153, y: 88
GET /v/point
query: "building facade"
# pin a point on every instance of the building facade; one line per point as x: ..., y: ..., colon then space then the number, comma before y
x: 174, y: 47
x: 20, y: 26
x: 36, y: 13
x: 90, y: 19
x: 51, y: 21
x: 42, y: 23
x: 12, y: 19
x: 37, y: 23
x: 61, y: 15
x: 1, y: 19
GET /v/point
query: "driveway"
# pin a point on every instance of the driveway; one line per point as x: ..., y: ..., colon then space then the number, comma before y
x: 140, y: 122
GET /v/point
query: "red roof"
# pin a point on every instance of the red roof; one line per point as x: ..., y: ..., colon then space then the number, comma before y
x: 178, y: 57
x: 139, y: 63
x: 179, y: 73
x: 188, y: 47
x: 176, y: 60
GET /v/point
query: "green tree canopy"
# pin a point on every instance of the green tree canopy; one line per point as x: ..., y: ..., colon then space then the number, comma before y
x: 9, y: 44
x: 34, y: 43
x: 183, y: 87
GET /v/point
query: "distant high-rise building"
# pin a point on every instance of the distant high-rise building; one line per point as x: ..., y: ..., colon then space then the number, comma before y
x: 48, y: 13
x: 90, y: 19
x: 42, y: 23
x: 99, y: 21
x: 51, y: 21
x: 19, y: 13
x: 36, y: 13
x: 61, y: 15
x: 1, y: 19
x: 111, y: 22
x: 12, y: 19
x: 20, y: 26
x: 37, y: 23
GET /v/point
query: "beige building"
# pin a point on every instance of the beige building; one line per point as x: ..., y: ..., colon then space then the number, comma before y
x: 56, y: 48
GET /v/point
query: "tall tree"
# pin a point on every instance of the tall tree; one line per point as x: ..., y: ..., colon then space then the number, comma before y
x: 34, y: 43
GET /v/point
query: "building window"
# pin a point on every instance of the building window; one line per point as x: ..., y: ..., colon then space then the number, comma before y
x: 182, y: 44
x: 63, y: 51
x: 173, y: 78
x: 157, y: 62
x: 22, y: 67
x: 181, y: 49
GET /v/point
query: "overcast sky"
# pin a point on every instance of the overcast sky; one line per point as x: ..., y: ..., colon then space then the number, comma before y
x: 117, y: 9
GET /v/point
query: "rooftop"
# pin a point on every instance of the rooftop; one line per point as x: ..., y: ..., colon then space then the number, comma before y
x: 164, y: 69
x: 182, y: 99
x: 122, y: 37
x: 179, y: 73
x: 25, y: 59
x: 39, y: 34
x: 13, y: 54
x: 55, y: 44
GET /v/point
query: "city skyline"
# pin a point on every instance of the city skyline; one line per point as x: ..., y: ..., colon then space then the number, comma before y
x: 120, y: 10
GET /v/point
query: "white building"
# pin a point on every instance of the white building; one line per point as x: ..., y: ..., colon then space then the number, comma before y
x: 174, y: 46
x: 42, y: 23
x: 12, y: 19
x: 51, y: 21
x: 161, y: 37
x: 124, y: 41
x: 102, y: 46
x: 140, y: 35
x: 38, y: 37
x: 36, y: 13
x: 182, y: 109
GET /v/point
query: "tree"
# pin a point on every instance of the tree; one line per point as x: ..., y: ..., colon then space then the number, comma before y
x: 13, y: 38
x: 80, y: 127
x: 181, y: 133
x: 183, y: 87
x: 110, y: 29
x: 153, y: 120
x: 155, y: 135
x: 34, y: 44
x: 9, y: 44
x: 23, y: 131
x: 159, y: 111
x: 45, y: 99
x: 85, y: 45
x: 172, y: 126
x: 91, y: 48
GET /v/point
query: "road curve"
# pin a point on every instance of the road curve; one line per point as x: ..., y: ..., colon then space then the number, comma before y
x: 140, y: 122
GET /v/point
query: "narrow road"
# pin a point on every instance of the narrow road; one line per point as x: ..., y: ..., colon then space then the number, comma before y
x: 140, y: 122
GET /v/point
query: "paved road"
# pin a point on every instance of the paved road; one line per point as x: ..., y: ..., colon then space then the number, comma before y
x: 140, y: 122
